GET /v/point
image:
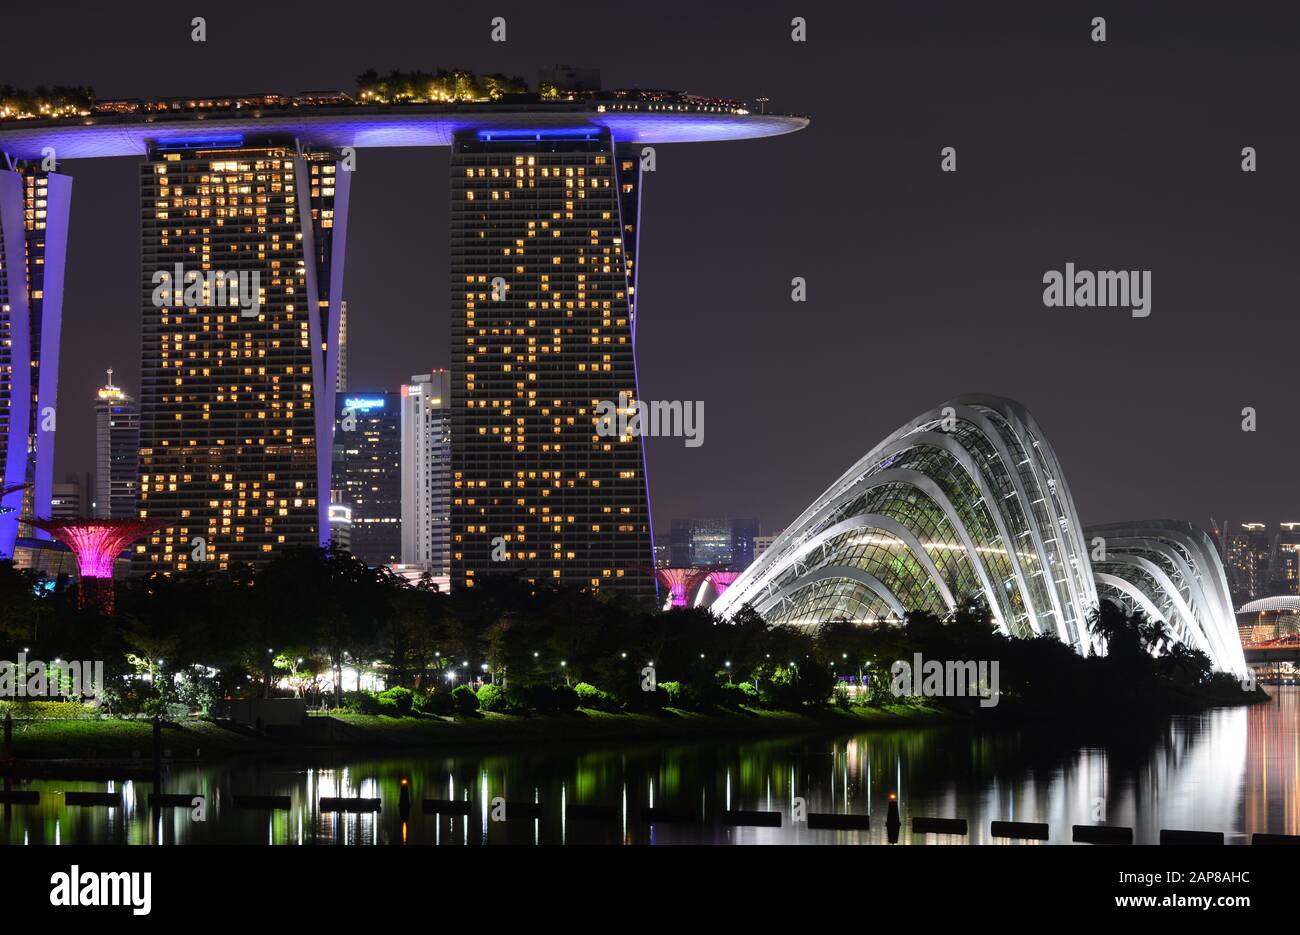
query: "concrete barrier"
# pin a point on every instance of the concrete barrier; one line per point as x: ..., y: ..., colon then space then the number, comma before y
x: 20, y: 797
x: 742, y: 818
x: 1190, y: 837
x: 1020, y: 830
x: 281, y: 803
x: 447, y: 806
x: 98, y: 799
x: 1102, y: 834
x: 1259, y: 837
x: 575, y: 812
x: 939, y: 826
x: 834, y: 822
x: 349, y: 805
x: 665, y: 815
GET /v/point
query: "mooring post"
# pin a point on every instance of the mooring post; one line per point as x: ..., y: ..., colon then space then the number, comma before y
x: 892, y: 822
x: 157, y: 755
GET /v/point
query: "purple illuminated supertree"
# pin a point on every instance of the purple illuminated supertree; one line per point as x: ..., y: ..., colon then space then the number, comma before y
x: 721, y: 580
x: 97, y: 543
x: 680, y: 582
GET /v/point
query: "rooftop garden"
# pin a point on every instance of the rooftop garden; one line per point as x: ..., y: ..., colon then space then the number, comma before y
x: 444, y: 86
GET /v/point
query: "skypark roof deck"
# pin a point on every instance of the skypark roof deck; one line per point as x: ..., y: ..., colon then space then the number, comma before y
x: 378, y: 125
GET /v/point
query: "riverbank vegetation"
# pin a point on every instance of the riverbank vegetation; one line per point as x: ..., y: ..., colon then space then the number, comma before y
x: 321, y: 626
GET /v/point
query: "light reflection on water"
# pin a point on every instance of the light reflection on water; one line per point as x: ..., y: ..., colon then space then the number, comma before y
x: 1230, y: 770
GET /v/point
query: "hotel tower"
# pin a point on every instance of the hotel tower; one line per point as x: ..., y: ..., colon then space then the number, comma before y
x: 543, y: 244
x: 234, y: 394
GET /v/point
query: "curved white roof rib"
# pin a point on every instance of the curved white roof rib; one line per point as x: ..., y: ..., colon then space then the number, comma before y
x: 964, y: 500
x: 1184, y: 577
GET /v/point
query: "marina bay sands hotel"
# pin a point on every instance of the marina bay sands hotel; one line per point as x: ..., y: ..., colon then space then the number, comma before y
x: 244, y: 206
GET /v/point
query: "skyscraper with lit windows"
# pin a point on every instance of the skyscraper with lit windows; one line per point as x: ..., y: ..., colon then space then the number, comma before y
x: 543, y: 242
x: 235, y: 394
x: 426, y: 472
x: 368, y: 473
x: 117, y: 451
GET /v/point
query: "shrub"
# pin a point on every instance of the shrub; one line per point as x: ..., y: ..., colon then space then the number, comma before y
x: 589, y: 696
x: 501, y: 700
x: 843, y: 699
x: 692, y: 697
x: 490, y: 698
x: 749, y: 692
x: 437, y: 703
x: 566, y: 699
x: 48, y: 709
x: 464, y: 700
x: 539, y: 698
x: 362, y: 702
x: 399, y: 700
x: 807, y: 684
x: 731, y: 695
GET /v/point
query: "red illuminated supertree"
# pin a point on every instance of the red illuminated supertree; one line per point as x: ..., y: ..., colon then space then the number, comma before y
x: 680, y: 582
x: 97, y: 543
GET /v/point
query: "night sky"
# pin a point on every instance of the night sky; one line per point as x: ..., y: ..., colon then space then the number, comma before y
x: 922, y: 285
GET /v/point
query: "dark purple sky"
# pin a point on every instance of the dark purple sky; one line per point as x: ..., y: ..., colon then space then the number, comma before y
x: 922, y: 285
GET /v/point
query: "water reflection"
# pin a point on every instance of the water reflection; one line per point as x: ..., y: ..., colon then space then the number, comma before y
x: 1230, y: 770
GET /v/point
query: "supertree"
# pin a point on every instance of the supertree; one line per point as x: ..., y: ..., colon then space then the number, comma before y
x: 720, y: 581
x: 97, y: 543
x: 680, y: 582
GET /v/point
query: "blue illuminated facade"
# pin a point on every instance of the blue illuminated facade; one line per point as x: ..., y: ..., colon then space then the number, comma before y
x: 368, y: 473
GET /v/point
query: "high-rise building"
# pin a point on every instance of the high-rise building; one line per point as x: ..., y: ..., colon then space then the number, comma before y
x: 341, y: 384
x: 1262, y: 560
x: 240, y: 286
x: 65, y: 500
x: 368, y: 473
x: 1284, y: 561
x: 543, y: 316
x: 117, y: 451
x: 426, y: 472
x: 705, y: 543
x: 34, y: 210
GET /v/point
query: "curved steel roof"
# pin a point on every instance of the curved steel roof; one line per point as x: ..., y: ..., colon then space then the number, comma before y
x: 105, y: 135
x: 1265, y: 604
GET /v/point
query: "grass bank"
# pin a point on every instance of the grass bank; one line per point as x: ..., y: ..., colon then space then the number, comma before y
x: 50, y: 738
x: 64, y: 732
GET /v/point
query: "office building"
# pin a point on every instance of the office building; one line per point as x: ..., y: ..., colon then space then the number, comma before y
x: 368, y: 473
x: 426, y: 473
x: 117, y: 450
x: 713, y: 543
